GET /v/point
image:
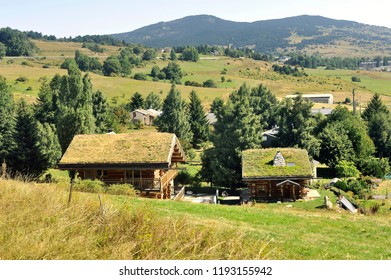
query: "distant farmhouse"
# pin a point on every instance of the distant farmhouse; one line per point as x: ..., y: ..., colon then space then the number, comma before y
x: 143, y: 159
x: 270, y: 138
x: 276, y: 174
x: 146, y: 117
x: 316, y: 98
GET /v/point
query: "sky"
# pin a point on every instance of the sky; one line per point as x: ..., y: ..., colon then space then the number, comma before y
x: 64, y: 18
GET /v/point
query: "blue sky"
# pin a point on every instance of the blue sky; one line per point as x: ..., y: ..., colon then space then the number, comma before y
x: 82, y: 17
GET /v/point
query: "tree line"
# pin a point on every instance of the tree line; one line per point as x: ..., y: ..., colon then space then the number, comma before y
x: 341, y: 140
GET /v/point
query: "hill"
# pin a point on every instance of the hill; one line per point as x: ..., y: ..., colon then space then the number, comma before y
x: 51, y: 54
x: 311, y: 33
x: 39, y: 225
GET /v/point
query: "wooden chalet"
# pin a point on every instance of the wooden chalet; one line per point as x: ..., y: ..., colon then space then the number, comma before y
x: 144, y: 159
x: 276, y: 174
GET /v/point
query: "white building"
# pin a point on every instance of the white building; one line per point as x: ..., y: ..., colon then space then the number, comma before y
x: 146, y: 117
x: 327, y: 98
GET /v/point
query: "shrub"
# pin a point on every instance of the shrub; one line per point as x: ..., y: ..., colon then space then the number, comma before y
x: 140, y: 77
x: 210, y: 84
x: 22, y: 79
x: 356, y: 79
x: 121, y: 189
x: 375, y: 167
x: 346, y: 169
x: 90, y: 186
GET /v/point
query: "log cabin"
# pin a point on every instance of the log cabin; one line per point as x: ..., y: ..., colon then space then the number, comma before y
x: 276, y: 174
x: 145, y: 160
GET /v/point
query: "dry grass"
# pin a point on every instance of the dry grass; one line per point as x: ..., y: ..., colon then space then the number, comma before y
x: 140, y: 146
x: 35, y: 223
x: 259, y: 163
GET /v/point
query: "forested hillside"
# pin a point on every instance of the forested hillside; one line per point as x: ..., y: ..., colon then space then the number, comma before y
x: 266, y: 36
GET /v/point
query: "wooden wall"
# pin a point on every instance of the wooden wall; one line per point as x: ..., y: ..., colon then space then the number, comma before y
x: 267, y: 190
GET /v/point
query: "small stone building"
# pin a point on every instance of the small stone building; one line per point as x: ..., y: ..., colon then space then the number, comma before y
x: 276, y: 174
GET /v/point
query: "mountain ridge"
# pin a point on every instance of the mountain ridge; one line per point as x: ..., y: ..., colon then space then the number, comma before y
x: 263, y: 35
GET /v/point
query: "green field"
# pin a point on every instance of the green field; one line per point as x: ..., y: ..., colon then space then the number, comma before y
x: 238, y: 71
x: 37, y: 224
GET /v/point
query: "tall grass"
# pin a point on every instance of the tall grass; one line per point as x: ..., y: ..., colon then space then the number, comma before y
x: 35, y: 223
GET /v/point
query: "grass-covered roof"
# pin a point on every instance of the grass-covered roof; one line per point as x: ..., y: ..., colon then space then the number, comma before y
x: 136, y: 147
x: 258, y: 163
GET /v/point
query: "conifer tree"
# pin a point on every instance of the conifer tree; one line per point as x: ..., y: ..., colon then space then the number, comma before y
x: 198, y: 122
x: 136, y: 102
x: 265, y: 105
x: 27, y: 157
x: 46, y: 107
x: 237, y: 128
x: 101, y: 112
x: 7, y: 120
x: 50, y: 147
x: 174, y: 118
x: 375, y: 106
x: 153, y: 101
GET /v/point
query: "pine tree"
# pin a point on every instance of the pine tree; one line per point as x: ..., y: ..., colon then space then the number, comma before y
x: 375, y: 106
x: 46, y: 107
x: 27, y: 157
x: 265, y: 105
x: 198, y: 122
x: 174, y: 118
x: 7, y: 120
x: 136, y: 102
x: 237, y: 128
x: 296, y: 125
x: 153, y: 102
x: 50, y: 147
x: 101, y: 112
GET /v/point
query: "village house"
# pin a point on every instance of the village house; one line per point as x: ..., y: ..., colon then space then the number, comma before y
x: 327, y: 98
x: 276, y: 174
x: 146, y: 117
x: 145, y: 160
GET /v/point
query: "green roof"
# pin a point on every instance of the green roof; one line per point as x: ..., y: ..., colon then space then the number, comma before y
x: 137, y: 147
x: 258, y: 163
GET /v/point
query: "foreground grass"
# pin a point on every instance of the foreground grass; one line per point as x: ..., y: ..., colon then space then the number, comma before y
x: 303, y: 231
x: 35, y: 223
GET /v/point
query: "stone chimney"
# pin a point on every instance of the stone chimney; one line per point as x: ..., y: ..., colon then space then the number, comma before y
x: 279, y: 160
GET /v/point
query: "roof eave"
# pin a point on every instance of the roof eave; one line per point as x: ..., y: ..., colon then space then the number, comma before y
x: 104, y: 166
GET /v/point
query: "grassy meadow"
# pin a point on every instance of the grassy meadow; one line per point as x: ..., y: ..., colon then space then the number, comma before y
x: 36, y: 223
x: 237, y: 71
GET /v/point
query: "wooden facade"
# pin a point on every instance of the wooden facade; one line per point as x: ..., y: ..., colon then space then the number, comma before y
x: 134, y: 159
x: 277, y: 174
x: 274, y: 189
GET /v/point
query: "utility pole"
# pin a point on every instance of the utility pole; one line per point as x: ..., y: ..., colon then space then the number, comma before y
x: 354, y: 103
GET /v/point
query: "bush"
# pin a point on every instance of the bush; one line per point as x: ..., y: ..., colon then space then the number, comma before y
x: 121, y: 189
x: 356, y: 79
x: 346, y: 169
x: 90, y: 186
x: 375, y: 167
x: 140, y: 77
x: 22, y: 79
x: 210, y: 84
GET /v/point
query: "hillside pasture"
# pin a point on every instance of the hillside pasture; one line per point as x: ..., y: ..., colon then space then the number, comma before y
x: 37, y: 224
x: 236, y: 71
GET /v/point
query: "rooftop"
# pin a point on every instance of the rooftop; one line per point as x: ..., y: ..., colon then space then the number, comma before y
x: 130, y: 148
x: 258, y: 163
